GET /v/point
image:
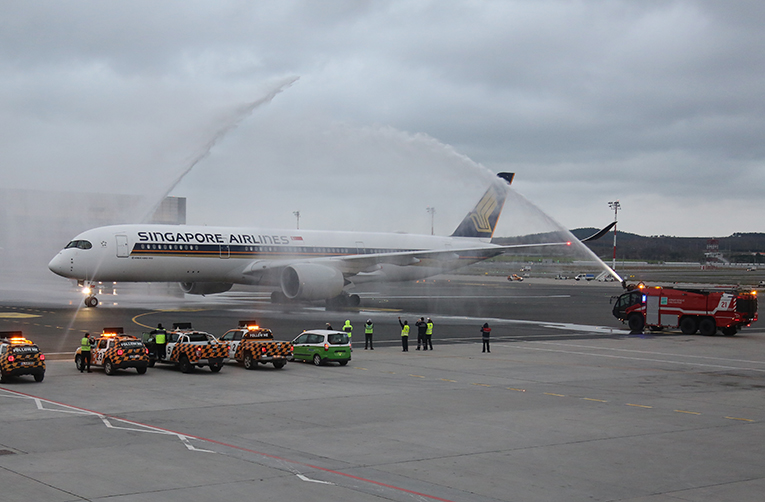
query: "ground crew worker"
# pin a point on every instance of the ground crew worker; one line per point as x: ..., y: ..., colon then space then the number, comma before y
x: 421, y: 328
x: 369, y: 329
x: 486, y: 335
x: 348, y: 329
x: 160, y: 340
x: 404, y: 335
x: 429, y: 334
x: 85, y: 352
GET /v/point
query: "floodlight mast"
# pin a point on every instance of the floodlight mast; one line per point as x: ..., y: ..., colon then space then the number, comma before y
x: 432, y: 211
x: 615, y: 206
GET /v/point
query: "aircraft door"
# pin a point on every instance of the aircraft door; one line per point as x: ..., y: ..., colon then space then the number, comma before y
x: 225, y: 251
x: 123, y: 251
x: 359, y: 247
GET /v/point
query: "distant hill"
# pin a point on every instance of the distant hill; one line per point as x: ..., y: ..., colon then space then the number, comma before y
x: 736, y: 248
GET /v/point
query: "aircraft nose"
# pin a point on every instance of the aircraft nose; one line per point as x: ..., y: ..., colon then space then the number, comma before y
x: 59, y: 265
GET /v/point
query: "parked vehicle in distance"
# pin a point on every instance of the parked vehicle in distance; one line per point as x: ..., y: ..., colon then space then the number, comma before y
x: 322, y: 346
x: 584, y: 277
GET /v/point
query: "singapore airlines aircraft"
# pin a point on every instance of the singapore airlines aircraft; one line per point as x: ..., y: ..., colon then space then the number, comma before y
x: 303, y: 265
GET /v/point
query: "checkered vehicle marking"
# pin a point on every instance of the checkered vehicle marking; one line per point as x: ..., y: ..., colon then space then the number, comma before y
x: 196, y: 352
x: 26, y: 360
x: 273, y: 349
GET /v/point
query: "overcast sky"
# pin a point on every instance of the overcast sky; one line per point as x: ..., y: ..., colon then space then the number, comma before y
x: 397, y: 106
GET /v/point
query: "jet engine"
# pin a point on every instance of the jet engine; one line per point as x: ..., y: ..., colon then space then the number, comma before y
x: 205, y: 288
x: 309, y: 281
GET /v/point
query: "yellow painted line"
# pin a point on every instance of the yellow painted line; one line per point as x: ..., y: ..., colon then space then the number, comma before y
x: 742, y: 419
x: 517, y: 390
x: 688, y: 412
x: 639, y: 405
x: 16, y: 315
x: 481, y: 384
x: 360, y: 368
x: 447, y: 380
x: 417, y: 376
x: 596, y: 400
x: 552, y: 394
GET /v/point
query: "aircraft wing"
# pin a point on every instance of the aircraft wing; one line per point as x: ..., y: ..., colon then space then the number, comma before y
x: 354, y: 264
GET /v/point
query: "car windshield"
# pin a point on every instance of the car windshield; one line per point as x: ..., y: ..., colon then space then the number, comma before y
x: 337, y: 339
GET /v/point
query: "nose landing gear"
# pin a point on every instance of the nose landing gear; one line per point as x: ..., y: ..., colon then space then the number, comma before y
x: 90, y: 300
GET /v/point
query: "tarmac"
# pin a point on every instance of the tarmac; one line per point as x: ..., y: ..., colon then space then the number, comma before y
x: 568, y: 406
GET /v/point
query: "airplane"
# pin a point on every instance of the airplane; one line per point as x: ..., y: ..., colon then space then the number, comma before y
x: 303, y: 265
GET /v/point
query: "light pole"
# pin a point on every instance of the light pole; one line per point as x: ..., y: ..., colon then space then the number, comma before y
x: 297, y: 215
x: 432, y: 211
x: 615, y: 206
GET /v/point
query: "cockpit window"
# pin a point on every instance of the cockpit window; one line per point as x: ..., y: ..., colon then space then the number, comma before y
x: 79, y: 245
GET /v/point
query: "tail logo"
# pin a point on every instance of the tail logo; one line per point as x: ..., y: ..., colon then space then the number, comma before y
x: 483, y: 211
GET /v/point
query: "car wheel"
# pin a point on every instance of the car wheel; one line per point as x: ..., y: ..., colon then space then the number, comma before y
x: 636, y: 322
x: 140, y: 369
x: 152, y: 362
x: 78, y: 362
x: 279, y: 364
x: 317, y: 360
x: 109, y: 368
x: 707, y: 327
x: 215, y: 368
x: 39, y: 376
x: 249, y: 362
x: 343, y: 363
x: 185, y: 365
x: 688, y: 325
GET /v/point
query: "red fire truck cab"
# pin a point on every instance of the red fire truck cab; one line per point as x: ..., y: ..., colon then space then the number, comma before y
x: 691, y: 310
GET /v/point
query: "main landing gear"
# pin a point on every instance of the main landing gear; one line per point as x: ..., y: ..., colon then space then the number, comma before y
x: 343, y: 300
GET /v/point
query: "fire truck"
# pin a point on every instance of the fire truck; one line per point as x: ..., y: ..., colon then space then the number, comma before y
x: 691, y: 310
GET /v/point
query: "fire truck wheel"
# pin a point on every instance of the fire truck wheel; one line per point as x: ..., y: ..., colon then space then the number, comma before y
x: 688, y: 326
x: 109, y: 368
x: 249, y: 362
x: 185, y: 365
x: 707, y: 327
x: 39, y: 376
x: 636, y: 322
x: 729, y: 331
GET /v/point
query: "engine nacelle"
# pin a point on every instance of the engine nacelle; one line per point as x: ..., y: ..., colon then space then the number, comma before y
x: 205, y: 288
x: 310, y: 281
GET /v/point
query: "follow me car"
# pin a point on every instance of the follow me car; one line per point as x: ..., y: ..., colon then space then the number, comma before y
x: 322, y: 346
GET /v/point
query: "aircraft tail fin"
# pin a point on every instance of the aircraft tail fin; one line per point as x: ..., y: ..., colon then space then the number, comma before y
x: 482, y: 220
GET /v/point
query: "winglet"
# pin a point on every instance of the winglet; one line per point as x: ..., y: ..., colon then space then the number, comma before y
x: 482, y: 220
x: 600, y: 233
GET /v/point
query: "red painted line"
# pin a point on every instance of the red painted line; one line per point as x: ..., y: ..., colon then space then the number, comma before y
x: 241, y: 448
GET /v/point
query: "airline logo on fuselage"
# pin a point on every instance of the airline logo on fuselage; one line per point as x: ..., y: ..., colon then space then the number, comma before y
x: 209, y: 238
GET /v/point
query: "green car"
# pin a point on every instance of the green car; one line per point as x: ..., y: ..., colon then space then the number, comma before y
x: 321, y: 346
